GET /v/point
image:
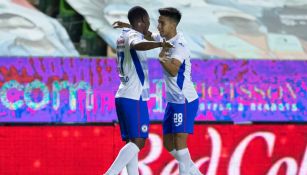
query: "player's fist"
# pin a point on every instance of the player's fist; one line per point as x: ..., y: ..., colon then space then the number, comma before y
x: 166, y: 45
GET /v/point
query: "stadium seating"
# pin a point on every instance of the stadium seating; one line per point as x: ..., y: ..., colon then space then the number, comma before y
x: 49, y: 7
x: 71, y: 20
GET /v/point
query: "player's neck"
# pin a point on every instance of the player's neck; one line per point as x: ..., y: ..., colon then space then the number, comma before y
x: 171, y: 35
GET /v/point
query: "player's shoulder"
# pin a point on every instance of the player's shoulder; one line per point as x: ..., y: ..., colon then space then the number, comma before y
x: 129, y: 31
x: 179, y: 45
x: 180, y: 41
x: 133, y: 34
x: 121, y: 38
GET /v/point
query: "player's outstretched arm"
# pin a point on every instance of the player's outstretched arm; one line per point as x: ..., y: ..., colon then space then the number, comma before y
x: 120, y: 24
x: 147, y: 45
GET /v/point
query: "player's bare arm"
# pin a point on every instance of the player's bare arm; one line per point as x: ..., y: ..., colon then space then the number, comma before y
x: 120, y: 24
x: 147, y: 45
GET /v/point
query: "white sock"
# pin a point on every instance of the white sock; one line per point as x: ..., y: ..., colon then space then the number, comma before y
x: 123, y: 158
x: 186, y: 165
x: 184, y: 157
x: 194, y: 170
x: 174, y: 153
x: 132, y: 166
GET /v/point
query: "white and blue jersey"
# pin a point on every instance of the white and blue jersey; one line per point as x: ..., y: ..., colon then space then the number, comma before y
x: 181, y: 95
x: 133, y: 92
x: 132, y: 67
x: 180, y: 87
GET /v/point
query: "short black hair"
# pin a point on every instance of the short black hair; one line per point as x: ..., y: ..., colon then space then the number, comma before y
x: 171, y: 12
x: 136, y: 13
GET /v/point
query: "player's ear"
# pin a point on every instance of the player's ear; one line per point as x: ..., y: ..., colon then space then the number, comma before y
x: 173, y: 26
x: 143, y: 19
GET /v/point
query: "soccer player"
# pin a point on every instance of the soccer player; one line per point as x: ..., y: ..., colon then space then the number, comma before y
x: 181, y: 96
x: 133, y: 92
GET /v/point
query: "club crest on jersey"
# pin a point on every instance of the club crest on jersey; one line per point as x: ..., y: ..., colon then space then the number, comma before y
x: 144, y: 128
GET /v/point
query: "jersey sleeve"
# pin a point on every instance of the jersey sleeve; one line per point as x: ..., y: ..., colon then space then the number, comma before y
x: 134, y: 37
x: 179, y: 52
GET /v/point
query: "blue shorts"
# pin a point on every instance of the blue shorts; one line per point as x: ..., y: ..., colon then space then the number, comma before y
x: 133, y: 118
x: 179, y: 118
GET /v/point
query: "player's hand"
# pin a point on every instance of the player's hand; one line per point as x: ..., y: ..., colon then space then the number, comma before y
x: 166, y: 45
x: 162, y: 58
x: 163, y: 55
x: 119, y: 24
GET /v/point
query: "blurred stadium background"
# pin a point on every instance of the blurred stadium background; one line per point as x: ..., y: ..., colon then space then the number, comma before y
x: 58, y: 79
